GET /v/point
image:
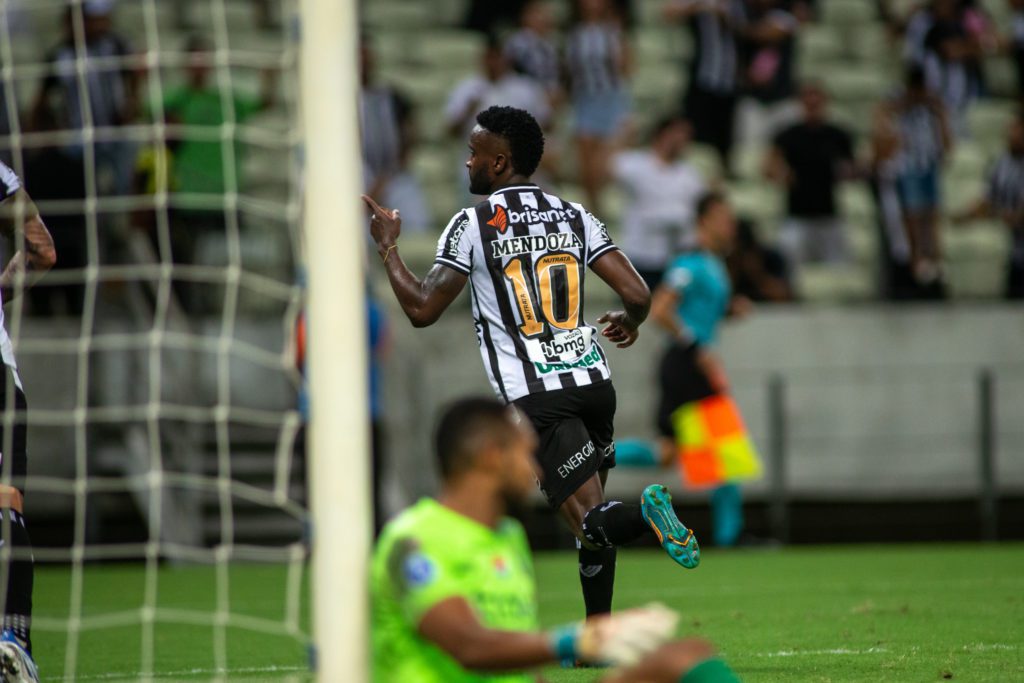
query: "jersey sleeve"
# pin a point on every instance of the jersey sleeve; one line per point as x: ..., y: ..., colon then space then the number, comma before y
x: 419, y: 578
x: 599, y: 242
x: 10, y: 183
x: 455, y: 248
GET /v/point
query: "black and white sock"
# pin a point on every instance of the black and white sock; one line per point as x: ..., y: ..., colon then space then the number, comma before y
x: 597, y: 579
x: 614, y: 523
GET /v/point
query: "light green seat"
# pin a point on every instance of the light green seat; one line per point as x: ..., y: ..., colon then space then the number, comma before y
x: 968, y: 163
x: 846, y: 13
x: 987, y: 121
x: 706, y: 160
x: 832, y: 282
x: 857, y: 84
x: 1001, y: 76
x: 759, y: 201
x: 460, y: 50
x: 748, y: 161
x: 821, y: 44
x: 397, y: 14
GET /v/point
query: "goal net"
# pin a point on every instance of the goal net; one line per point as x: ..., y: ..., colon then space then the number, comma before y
x: 163, y: 144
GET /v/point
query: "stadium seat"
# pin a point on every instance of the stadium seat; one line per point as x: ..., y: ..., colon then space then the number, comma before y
x: 397, y: 14
x: 818, y: 282
x: 846, y: 13
x: 1001, y: 76
x: 987, y: 120
x: 856, y: 84
x: 458, y: 50
x: 821, y: 44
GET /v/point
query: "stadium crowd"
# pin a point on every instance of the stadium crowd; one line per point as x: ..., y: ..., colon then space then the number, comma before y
x: 571, y: 65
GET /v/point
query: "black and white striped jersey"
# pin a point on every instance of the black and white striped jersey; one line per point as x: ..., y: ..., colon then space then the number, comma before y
x: 921, y: 139
x: 593, y: 56
x: 1006, y: 197
x: 526, y: 253
x: 716, y: 57
x: 9, y: 186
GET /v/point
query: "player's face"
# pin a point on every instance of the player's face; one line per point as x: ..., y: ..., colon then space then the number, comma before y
x: 488, y: 156
x: 722, y: 223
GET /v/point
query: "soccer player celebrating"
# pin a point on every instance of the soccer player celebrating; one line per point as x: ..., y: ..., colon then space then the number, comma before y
x: 35, y: 256
x: 452, y: 586
x: 526, y: 253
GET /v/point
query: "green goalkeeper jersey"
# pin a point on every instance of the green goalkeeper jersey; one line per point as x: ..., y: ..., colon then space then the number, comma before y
x: 428, y: 554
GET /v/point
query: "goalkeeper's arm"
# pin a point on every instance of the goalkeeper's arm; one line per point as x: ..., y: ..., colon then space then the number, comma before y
x: 453, y: 627
x: 620, y: 638
x: 35, y: 252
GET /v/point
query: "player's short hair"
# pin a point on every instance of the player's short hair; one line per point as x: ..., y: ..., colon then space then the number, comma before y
x: 708, y: 201
x: 465, y: 427
x: 521, y: 130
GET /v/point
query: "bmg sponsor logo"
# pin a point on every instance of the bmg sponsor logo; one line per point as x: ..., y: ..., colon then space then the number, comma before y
x: 572, y: 345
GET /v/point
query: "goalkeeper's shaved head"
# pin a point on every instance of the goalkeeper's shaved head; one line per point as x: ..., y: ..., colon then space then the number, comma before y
x: 469, y: 426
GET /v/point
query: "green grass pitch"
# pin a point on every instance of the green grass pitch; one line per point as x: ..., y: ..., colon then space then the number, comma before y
x: 878, y: 613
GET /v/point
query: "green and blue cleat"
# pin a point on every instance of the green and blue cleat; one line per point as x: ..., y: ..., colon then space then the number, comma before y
x: 678, y: 541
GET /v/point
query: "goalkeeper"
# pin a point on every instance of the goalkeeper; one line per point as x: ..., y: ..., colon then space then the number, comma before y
x: 452, y: 585
x: 34, y: 256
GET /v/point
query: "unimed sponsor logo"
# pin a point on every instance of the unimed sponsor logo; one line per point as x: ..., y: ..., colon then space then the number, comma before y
x: 576, y: 460
x: 528, y: 244
x: 589, y: 360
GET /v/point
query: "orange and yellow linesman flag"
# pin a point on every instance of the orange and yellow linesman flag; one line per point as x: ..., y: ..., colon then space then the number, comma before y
x: 713, y: 445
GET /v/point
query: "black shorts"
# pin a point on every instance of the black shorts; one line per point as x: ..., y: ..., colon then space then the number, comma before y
x: 14, y: 455
x: 576, y: 432
x: 681, y: 381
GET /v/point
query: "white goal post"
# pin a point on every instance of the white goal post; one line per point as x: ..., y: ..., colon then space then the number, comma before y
x: 337, y: 355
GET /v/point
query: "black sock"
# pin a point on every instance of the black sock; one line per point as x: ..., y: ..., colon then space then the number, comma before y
x: 613, y: 523
x: 597, y: 578
x: 19, y: 575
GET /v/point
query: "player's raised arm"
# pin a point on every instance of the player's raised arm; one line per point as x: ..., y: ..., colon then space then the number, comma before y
x: 33, y: 258
x: 423, y: 301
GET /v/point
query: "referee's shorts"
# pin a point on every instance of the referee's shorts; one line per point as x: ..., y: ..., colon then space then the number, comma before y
x: 681, y: 381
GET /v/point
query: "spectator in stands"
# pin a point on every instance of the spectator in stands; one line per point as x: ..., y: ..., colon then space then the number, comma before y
x: 1005, y: 199
x: 950, y: 61
x: 770, y: 51
x: 662, y: 189
x: 199, y: 164
x: 920, y: 118
x: 112, y: 92
x: 758, y: 272
x: 199, y: 160
x: 598, y: 61
x: 809, y: 159
x: 1016, y: 42
x: 486, y: 16
x: 896, y: 271
x: 532, y: 50
x: 57, y: 173
x: 496, y: 84
x: 388, y: 140
x: 710, y: 101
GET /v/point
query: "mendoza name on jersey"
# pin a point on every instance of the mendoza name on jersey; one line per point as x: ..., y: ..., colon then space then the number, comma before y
x: 528, y: 244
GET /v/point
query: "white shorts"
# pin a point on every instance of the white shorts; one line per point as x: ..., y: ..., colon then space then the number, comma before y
x: 813, y: 240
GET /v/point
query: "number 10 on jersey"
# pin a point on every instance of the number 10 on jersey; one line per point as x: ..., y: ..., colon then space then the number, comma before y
x: 550, y: 270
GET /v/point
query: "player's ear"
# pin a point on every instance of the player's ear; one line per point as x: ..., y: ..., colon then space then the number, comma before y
x: 501, y: 164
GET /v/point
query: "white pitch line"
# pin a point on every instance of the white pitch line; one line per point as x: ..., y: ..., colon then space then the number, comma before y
x: 812, y: 653
x: 186, y: 672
